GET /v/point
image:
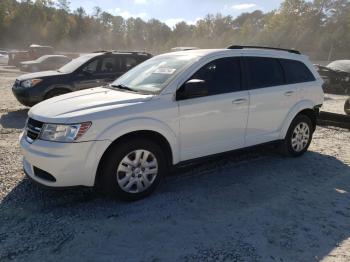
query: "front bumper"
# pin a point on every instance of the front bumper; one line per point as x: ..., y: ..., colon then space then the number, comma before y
x: 25, y: 96
x: 71, y: 164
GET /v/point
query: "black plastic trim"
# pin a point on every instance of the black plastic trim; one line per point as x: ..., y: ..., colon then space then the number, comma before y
x: 43, y: 174
x: 263, y: 47
x: 52, y: 187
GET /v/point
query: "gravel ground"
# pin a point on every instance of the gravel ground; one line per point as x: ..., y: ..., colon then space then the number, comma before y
x: 253, y: 205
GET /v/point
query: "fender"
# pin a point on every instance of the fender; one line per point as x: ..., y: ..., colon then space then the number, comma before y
x: 59, y: 86
x: 300, y: 106
x: 117, y: 130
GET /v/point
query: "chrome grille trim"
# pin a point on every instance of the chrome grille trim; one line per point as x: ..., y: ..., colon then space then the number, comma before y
x: 32, y: 129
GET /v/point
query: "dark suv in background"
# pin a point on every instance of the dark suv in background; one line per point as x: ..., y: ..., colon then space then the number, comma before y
x: 86, y: 71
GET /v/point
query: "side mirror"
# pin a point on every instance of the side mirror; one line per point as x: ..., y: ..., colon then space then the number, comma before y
x: 192, y: 89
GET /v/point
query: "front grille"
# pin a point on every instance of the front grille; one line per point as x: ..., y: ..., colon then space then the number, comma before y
x: 33, y: 129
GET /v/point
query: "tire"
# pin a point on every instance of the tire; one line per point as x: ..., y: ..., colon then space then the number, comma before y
x: 120, y: 171
x: 299, y: 136
x: 56, y: 92
x: 347, y: 107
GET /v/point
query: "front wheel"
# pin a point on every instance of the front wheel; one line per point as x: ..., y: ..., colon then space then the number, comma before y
x: 298, y: 137
x: 133, y: 169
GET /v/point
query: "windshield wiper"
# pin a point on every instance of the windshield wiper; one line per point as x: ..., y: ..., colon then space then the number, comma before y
x: 123, y: 87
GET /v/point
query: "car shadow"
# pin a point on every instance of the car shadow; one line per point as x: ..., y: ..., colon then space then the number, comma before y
x: 14, y: 119
x: 252, y: 205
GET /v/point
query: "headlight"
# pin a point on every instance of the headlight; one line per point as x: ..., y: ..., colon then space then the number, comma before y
x: 64, y: 133
x: 30, y: 83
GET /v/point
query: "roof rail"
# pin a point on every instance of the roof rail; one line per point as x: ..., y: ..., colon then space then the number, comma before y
x: 123, y: 52
x: 263, y: 47
x: 132, y: 52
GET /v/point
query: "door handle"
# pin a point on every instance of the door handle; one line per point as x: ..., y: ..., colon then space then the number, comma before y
x: 239, y: 101
x: 289, y: 93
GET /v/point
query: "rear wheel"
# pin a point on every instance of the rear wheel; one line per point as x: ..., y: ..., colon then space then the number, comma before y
x: 133, y: 169
x: 298, y: 137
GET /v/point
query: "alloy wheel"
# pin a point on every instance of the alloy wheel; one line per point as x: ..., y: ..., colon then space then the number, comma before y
x: 300, y: 136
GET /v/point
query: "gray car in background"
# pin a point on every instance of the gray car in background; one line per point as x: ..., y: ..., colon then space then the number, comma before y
x: 4, y: 57
x: 336, y: 76
x: 43, y: 63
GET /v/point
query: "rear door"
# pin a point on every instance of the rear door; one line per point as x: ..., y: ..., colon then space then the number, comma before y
x: 131, y: 61
x: 271, y: 98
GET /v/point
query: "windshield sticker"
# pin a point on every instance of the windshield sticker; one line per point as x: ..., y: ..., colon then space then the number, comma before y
x: 165, y: 71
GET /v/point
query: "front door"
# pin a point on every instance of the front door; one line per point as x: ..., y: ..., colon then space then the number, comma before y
x: 87, y: 76
x: 217, y: 121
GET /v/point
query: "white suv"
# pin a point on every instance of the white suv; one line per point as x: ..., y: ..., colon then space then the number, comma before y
x: 172, y: 108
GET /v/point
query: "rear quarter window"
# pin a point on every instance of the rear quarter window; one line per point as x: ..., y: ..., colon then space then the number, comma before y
x: 264, y: 72
x: 296, y: 71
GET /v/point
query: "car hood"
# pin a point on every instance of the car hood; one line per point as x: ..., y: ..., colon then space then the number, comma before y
x: 39, y: 75
x: 77, y: 105
x: 340, y: 65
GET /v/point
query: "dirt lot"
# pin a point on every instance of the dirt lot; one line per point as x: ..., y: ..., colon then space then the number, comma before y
x: 250, y: 206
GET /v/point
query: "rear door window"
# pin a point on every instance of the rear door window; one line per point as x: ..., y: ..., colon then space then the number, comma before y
x: 108, y: 65
x: 264, y: 72
x: 296, y: 71
x: 130, y: 62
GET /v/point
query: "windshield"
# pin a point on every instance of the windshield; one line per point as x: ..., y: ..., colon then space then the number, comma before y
x: 75, y: 63
x: 153, y: 75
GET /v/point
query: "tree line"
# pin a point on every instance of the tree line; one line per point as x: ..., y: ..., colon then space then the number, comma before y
x: 320, y: 28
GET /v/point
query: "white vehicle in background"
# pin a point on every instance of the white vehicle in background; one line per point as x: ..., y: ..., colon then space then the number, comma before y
x: 4, y: 57
x: 183, y: 48
x: 45, y: 63
x: 172, y: 108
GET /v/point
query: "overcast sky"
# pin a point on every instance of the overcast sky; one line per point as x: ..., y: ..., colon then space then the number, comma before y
x: 173, y: 11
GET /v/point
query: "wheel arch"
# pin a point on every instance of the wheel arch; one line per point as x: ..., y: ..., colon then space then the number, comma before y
x: 154, y: 136
x: 305, y: 107
x: 58, y: 87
